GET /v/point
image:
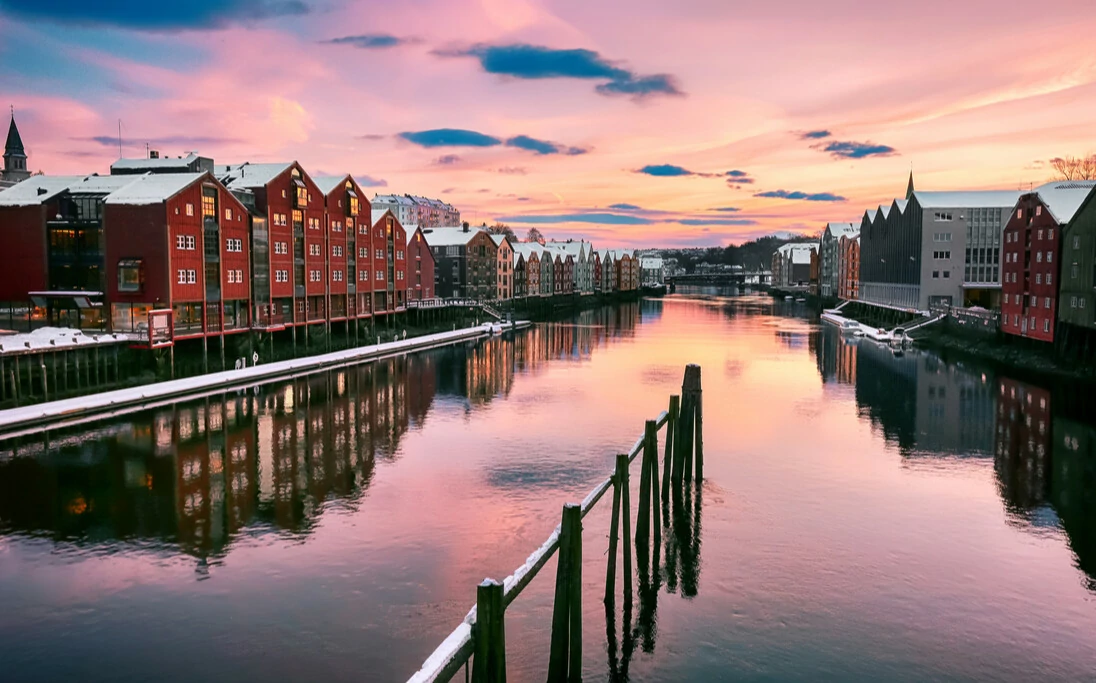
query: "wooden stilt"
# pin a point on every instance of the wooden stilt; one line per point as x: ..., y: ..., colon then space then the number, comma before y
x: 489, y: 665
x: 626, y: 516
x: 614, y: 530
x: 668, y: 455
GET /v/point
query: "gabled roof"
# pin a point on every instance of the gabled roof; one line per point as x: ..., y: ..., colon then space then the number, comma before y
x: 499, y: 239
x: 252, y: 175
x: 836, y: 230
x: 153, y: 188
x: 377, y: 214
x: 149, y: 164
x: 1064, y: 198
x: 449, y: 237
x: 14, y: 144
x: 327, y: 183
x: 988, y: 199
x: 36, y: 190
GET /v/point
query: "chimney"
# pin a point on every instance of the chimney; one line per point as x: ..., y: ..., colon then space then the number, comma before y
x: 153, y: 154
x: 466, y: 226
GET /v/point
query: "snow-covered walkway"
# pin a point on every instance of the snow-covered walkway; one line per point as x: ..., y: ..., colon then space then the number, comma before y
x: 80, y: 409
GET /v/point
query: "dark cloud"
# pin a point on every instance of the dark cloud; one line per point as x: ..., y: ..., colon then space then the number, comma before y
x: 815, y: 134
x: 857, y: 150
x: 369, y: 181
x: 447, y: 160
x: 726, y: 209
x: 542, y: 146
x: 664, y: 170
x: 737, y: 179
x: 182, y: 140
x: 625, y: 207
x: 154, y: 16
x: 715, y: 221
x: 450, y: 137
x: 456, y: 137
x: 372, y: 41
x: 535, y: 62
x: 512, y: 170
x: 524, y: 199
x: 797, y: 195
x: 372, y: 136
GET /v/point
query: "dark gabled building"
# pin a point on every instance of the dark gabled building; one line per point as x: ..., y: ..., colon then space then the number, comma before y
x: 15, y: 158
x: 1077, y: 298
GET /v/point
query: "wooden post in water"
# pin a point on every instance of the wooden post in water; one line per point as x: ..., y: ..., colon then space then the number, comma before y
x: 699, y: 444
x: 626, y: 516
x: 643, y: 520
x: 668, y: 456
x: 614, y: 529
x: 565, y: 656
x: 656, y: 517
x: 683, y: 441
x: 489, y: 665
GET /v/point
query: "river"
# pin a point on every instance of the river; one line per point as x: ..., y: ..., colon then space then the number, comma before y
x: 865, y: 517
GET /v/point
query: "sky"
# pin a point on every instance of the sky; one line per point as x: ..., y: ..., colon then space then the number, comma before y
x: 634, y: 124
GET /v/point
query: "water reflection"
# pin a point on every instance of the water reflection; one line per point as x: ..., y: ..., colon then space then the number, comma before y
x: 196, y: 476
x: 1044, y: 451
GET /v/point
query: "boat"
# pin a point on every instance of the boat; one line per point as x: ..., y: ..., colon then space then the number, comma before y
x: 788, y: 297
x: 850, y: 327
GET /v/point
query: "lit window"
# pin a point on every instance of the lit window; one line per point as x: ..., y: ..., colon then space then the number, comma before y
x: 129, y: 275
x: 190, y: 209
x: 228, y: 214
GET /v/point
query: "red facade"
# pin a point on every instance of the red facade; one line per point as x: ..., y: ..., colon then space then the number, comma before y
x: 23, y: 243
x: 420, y: 265
x: 1029, y: 274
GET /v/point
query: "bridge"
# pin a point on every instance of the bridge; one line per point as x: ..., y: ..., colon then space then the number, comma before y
x: 741, y: 278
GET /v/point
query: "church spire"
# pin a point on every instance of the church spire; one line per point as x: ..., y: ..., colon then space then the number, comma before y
x: 15, y: 155
x: 909, y: 187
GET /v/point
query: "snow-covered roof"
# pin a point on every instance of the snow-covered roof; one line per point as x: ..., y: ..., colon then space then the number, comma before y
x: 153, y: 188
x: 448, y: 237
x: 650, y: 262
x: 839, y: 229
x: 376, y: 215
x: 574, y: 248
x: 101, y: 184
x: 871, y: 214
x: 987, y: 199
x: 328, y: 183
x: 251, y: 175
x: 527, y: 249
x: 607, y: 255
x: 801, y: 256
x: 392, y: 199
x: 499, y: 239
x: 163, y: 163
x: 37, y: 189
x: 1064, y: 198
x: 884, y: 211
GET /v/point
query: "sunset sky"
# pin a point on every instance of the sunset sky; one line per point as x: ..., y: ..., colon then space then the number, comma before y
x: 641, y: 123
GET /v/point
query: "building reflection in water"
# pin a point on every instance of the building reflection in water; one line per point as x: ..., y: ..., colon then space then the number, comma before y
x: 195, y: 476
x: 1044, y: 450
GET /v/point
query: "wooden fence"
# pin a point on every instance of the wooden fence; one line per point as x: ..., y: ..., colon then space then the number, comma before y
x: 480, y: 638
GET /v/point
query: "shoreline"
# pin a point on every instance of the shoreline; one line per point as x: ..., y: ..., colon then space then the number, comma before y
x: 68, y: 412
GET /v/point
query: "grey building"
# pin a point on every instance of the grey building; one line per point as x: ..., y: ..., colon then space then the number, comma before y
x: 934, y: 248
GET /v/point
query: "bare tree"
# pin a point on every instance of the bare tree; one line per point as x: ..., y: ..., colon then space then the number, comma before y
x: 503, y: 229
x: 534, y: 235
x: 1074, y: 168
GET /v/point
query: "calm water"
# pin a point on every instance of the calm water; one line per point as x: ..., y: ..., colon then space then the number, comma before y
x: 865, y: 517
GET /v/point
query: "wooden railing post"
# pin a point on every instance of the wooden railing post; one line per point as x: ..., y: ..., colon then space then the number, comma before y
x: 656, y: 517
x: 686, y: 424
x: 614, y: 531
x: 699, y: 445
x: 626, y: 517
x: 565, y: 656
x: 489, y: 665
x: 668, y: 456
x: 643, y: 521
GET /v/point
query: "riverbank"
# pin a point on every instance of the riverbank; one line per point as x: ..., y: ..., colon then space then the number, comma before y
x: 1020, y: 355
x: 73, y: 411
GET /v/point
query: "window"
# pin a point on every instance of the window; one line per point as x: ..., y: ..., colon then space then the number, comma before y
x: 191, y: 277
x: 314, y: 223
x: 1046, y: 326
x: 1049, y: 278
x: 1039, y: 257
x: 1034, y: 301
x: 129, y: 275
x: 336, y: 250
x: 947, y: 274
x: 180, y: 242
x: 313, y: 250
x: 399, y: 254
x: 190, y: 209
x: 336, y: 226
x: 1073, y: 302
x: 337, y: 275
x: 363, y: 275
x: 1050, y: 234
x: 228, y: 214
x: 363, y: 252
x: 379, y: 254
x: 1019, y: 213
x: 231, y: 276
x: 281, y: 276
x: 399, y: 274
x: 1038, y: 279
x: 1040, y: 232
x: 281, y: 248
x: 298, y: 219
x: 1050, y: 257
x: 380, y: 275
x: 935, y: 275
x: 209, y: 203
x: 943, y: 216
x: 181, y: 279
x: 1046, y: 302
x: 1039, y: 212
x: 235, y: 245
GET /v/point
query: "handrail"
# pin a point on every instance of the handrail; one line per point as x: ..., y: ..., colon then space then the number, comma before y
x: 456, y: 649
